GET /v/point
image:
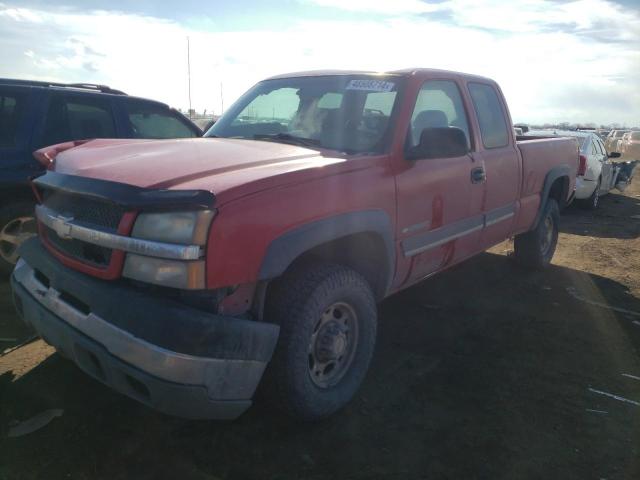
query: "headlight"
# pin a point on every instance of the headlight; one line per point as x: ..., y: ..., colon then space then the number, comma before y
x: 183, y: 228
x: 188, y: 228
x: 168, y: 273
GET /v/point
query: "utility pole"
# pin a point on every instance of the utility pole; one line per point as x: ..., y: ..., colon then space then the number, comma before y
x: 221, y: 99
x: 189, y: 74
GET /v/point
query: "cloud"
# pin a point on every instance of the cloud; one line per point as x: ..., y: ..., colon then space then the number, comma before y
x: 20, y: 14
x: 395, y: 7
x: 555, y: 61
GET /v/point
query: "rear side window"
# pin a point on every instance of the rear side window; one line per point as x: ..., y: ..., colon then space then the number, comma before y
x: 493, y: 127
x: 155, y: 121
x: 12, y: 106
x: 77, y: 118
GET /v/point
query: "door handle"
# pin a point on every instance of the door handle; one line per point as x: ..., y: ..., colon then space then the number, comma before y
x: 478, y: 175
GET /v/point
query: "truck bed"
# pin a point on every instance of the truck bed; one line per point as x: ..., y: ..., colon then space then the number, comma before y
x: 541, y: 155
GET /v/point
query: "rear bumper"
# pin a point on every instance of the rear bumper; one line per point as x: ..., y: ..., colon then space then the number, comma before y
x: 174, y: 358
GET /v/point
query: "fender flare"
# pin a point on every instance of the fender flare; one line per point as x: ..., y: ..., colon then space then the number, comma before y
x: 283, y: 250
x: 553, y: 174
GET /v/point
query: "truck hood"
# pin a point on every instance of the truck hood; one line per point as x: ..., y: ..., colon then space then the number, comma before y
x: 220, y: 165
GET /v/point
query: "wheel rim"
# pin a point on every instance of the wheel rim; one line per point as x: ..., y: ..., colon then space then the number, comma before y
x: 333, y: 344
x: 13, y: 234
x: 547, y: 235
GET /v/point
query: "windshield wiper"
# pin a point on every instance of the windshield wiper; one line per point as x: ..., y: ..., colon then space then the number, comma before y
x: 288, y: 138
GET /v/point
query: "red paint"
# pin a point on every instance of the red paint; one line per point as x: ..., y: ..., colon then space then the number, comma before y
x: 437, y: 212
x: 265, y: 189
x: 112, y: 271
x: 47, y: 155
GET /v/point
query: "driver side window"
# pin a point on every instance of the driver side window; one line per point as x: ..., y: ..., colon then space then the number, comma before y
x: 439, y: 125
x: 439, y: 105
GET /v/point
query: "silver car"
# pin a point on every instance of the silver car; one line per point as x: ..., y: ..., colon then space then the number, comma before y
x: 595, y: 173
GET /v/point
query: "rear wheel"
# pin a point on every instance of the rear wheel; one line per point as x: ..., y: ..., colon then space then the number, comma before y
x: 17, y: 224
x: 327, y: 317
x: 535, y: 249
x: 593, y: 201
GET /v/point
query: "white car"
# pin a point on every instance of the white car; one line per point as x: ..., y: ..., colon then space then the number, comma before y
x: 596, y: 173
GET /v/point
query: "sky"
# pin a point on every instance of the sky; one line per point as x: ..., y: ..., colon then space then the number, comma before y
x: 557, y: 61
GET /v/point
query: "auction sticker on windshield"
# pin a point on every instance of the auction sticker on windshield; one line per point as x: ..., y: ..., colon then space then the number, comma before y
x: 370, y: 85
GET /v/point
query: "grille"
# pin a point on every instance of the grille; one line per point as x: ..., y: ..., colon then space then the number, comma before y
x: 103, y: 215
x: 86, y: 252
x: 89, y: 212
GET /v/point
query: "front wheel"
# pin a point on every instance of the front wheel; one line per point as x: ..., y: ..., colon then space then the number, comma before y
x: 535, y: 249
x: 327, y: 317
x: 17, y: 224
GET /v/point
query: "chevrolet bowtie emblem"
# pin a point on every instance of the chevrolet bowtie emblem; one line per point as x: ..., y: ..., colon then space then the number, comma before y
x: 62, y: 226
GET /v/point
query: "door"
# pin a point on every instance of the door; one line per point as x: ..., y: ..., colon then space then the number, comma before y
x: 501, y: 162
x: 439, y: 199
x: 606, y: 168
x: 16, y: 162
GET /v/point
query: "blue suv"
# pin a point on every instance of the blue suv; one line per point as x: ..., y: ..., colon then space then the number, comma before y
x: 37, y: 114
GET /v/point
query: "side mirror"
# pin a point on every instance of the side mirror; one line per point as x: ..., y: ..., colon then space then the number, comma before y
x: 615, y: 155
x: 440, y: 142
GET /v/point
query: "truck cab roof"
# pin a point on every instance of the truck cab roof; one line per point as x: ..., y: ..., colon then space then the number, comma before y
x: 405, y: 72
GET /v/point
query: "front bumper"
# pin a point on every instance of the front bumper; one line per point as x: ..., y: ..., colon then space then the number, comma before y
x: 172, y: 357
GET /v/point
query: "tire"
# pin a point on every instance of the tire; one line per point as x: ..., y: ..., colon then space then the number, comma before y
x: 327, y: 313
x: 535, y: 249
x: 17, y: 224
x: 593, y: 201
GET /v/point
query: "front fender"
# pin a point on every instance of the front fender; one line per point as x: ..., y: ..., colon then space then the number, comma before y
x: 285, y: 249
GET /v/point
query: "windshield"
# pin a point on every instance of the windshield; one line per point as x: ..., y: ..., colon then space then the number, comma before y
x: 348, y: 113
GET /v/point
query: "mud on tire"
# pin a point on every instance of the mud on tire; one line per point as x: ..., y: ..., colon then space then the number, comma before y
x: 325, y: 312
x: 535, y: 249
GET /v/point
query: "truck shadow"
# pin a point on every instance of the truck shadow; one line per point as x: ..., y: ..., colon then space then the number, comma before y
x: 13, y: 331
x: 613, y: 219
x: 479, y: 371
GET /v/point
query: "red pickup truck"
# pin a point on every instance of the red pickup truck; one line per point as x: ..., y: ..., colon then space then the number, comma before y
x: 178, y: 272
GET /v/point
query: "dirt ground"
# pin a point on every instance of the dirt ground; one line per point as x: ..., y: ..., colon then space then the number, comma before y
x: 481, y: 372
